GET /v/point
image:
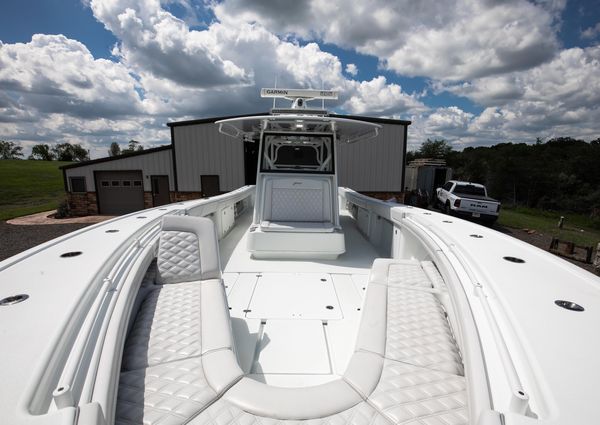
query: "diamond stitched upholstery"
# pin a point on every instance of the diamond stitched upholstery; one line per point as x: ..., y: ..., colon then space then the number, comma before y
x: 150, y: 276
x: 297, y: 205
x: 166, y: 328
x: 297, y: 199
x: 179, y: 257
x: 163, y: 381
x: 167, y: 394
x: 407, y: 275
x: 408, y: 394
x: 224, y: 413
x: 418, y: 332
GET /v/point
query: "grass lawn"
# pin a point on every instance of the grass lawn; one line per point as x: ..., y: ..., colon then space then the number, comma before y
x: 27, y: 187
x: 577, y: 227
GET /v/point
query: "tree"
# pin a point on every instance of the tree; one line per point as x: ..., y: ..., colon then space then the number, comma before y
x: 435, y: 149
x: 41, y: 152
x: 410, y: 156
x: 114, y: 149
x: 70, y: 152
x: 80, y: 153
x: 561, y: 173
x: 133, y: 146
x: 10, y: 150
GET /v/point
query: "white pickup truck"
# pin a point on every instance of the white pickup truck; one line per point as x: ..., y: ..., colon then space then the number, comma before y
x: 467, y: 200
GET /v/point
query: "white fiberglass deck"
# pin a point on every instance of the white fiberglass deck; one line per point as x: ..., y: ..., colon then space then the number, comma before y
x: 295, y: 321
x: 358, y: 257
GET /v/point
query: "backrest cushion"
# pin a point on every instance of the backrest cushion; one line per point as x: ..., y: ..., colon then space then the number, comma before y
x: 188, y: 250
x: 297, y: 199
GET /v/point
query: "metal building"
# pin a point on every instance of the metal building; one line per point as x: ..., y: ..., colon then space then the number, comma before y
x: 377, y: 165
x: 202, y: 162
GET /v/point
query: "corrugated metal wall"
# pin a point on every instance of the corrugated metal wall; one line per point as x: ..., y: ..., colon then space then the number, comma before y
x: 201, y: 149
x: 374, y: 165
x: 371, y: 166
x: 154, y: 163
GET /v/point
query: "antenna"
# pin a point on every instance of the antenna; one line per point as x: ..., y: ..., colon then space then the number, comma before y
x: 299, y: 97
x: 322, y: 100
x: 274, y: 98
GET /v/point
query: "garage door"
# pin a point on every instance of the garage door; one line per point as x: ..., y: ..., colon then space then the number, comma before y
x: 119, y: 192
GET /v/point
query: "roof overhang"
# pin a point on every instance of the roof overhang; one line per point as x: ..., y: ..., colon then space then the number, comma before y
x: 347, y: 130
x: 353, y: 117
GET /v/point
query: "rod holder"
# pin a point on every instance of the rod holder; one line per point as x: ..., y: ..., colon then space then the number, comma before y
x: 63, y: 397
x: 519, y: 402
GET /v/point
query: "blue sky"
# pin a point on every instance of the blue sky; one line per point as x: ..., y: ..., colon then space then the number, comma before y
x: 473, y: 73
x: 69, y: 17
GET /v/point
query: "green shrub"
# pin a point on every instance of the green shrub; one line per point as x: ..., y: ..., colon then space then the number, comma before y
x: 62, y: 210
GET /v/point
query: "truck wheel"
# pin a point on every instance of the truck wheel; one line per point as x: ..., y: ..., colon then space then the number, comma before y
x: 447, y: 208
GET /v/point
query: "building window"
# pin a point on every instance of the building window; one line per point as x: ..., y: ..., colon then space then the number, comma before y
x: 137, y: 182
x: 115, y: 183
x: 104, y: 183
x: 126, y: 183
x: 78, y: 184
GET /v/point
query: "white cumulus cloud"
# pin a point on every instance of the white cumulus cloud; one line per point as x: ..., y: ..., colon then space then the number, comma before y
x: 591, y: 32
x: 503, y: 56
x: 153, y: 40
x: 163, y: 71
x: 55, y: 74
x: 377, y: 97
x: 558, y: 98
x: 450, y: 40
x: 352, y: 69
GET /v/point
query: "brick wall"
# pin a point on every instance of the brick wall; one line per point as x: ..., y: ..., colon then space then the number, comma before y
x: 81, y: 204
x: 185, y: 196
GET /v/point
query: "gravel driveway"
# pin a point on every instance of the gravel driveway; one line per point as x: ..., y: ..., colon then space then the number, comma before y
x: 15, y: 239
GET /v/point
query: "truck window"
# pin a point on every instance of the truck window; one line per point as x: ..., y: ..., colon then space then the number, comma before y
x: 447, y: 186
x: 469, y: 189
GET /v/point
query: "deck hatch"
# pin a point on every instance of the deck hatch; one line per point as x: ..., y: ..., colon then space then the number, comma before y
x: 292, y: 347
x: 294, y: 296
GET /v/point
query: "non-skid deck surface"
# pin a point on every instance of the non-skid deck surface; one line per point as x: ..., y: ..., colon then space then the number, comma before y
x: 357, y: 259
x: 295, y: 296
x: 318, y: 301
